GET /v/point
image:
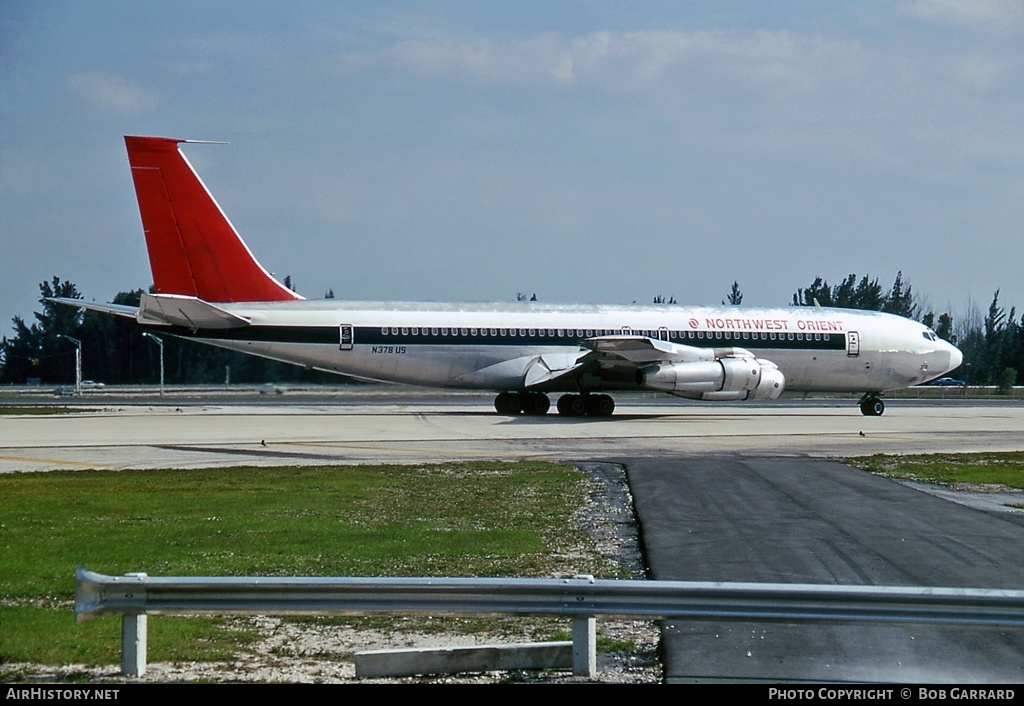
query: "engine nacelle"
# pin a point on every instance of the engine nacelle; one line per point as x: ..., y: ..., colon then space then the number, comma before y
x: 738, y: 378
x: 773, y: 382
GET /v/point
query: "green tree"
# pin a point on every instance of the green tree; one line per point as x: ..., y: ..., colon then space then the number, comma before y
x: 999, y: 347
x: 1007, y: 379
x: 853, y: 293
x: 900, y: 301
x: 735, y: 297
x: 943, y: 329
x: 38, y: 351
x: 21, y: 354
x: 818, y: 294
x: 116, y: 352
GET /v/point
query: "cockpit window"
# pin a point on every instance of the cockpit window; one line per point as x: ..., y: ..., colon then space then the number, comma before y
x: 930, y: 335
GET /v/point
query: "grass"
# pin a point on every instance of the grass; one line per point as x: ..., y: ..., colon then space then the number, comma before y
x: 50, y: 636
x: 1003, y: 470
x: 469, y: 519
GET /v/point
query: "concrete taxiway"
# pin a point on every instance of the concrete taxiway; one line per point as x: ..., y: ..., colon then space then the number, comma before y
x: 432, y: 427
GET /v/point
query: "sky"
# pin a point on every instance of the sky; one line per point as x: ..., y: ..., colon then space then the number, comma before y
x: 592, y: 151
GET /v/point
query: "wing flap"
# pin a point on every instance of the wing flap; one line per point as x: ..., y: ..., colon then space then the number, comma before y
x: 551, y: 366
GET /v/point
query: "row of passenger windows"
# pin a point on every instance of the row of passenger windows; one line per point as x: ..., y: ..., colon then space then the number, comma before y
x: 590, y: 333
x: 751, y: 336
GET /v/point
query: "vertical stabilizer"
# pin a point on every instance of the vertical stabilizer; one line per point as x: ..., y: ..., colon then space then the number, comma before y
x: 193, y: 248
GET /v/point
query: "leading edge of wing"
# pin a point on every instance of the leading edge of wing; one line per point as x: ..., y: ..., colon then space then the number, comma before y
x: 619, y: 351
x: 115, y: 309
x: 641, y: 350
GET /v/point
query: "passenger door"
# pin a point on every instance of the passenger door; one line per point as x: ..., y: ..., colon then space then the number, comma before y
x: 348, y: 337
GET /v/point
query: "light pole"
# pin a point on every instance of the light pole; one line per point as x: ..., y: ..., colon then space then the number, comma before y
x: 78, y: 362
x: 159, y: 342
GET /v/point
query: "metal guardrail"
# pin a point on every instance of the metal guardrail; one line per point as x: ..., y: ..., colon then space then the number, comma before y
x: 134, y: 596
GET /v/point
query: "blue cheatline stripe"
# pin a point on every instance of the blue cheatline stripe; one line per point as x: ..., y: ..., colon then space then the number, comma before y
x: 403, y: 336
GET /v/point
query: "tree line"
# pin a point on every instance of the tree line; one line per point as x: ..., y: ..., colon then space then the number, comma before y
x: 993, y: 346
x: 114, y: 352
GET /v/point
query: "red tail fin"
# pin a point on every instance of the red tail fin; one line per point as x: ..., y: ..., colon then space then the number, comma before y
x: 193, y: 248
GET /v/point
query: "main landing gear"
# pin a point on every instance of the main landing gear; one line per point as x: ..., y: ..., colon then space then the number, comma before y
x: 871, y: 405
x: 570, y: 405
x: 522, y: 403
x: 588, y: 405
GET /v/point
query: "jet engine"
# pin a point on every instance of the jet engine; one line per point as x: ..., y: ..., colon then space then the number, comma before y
x: 739, y: 378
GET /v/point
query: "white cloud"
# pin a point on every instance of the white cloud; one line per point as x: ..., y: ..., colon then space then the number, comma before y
x: 996, y: 13
x: 540, y: 59
x: 776, y: 92
x: 618, y: 61
x: 109, y: 92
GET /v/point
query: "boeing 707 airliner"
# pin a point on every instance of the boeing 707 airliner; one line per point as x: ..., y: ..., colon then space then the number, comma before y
x: 208, y: 287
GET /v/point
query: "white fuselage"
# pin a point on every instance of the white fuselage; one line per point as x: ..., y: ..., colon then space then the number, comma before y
x: 491, y: 346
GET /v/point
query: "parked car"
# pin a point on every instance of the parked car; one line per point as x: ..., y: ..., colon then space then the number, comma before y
x: 947, y: 382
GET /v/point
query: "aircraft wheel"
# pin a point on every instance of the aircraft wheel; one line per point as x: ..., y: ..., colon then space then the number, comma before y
x: 536, y: 403
x: 603, y: 406
x: 599, y: 405
x: 571, y: 406
x: 510, y: 403
x: 872, y: 407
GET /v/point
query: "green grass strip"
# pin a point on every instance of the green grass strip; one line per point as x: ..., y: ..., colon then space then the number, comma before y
x: 466, y: 519
x: 992, y: 469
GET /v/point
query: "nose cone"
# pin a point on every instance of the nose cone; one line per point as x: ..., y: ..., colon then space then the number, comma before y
x: 955, y: 357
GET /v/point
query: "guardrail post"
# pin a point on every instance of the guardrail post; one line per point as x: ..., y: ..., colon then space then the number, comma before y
x: 584, y: 647
x: 133, y: 645
x: 133, y: 641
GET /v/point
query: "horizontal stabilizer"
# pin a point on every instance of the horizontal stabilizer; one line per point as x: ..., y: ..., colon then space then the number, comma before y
x: 116, y: 309
x: 190, y: 312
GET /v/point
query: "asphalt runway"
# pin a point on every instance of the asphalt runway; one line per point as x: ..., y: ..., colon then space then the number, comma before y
x: 723, y: 492
x: 781, y: 520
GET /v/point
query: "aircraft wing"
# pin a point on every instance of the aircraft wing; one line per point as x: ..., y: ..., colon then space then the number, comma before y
x: 641, y: 350
x: 725, y: 373
x: 621, y: 356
